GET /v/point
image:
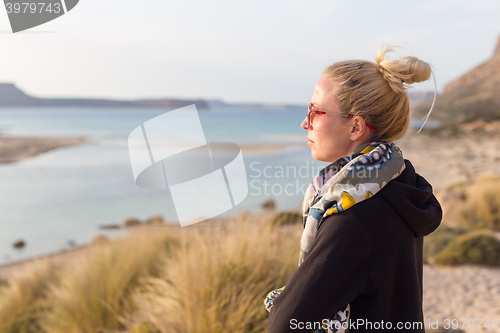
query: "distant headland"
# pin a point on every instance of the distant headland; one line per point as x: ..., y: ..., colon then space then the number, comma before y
x: 11, y: 96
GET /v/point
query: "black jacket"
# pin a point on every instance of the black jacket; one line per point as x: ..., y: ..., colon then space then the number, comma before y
x: 368, y: 256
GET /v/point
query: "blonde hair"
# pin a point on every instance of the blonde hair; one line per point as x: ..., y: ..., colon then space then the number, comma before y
x: 377, y: 91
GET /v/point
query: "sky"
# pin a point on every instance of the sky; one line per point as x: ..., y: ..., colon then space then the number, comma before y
x: 270, y: 51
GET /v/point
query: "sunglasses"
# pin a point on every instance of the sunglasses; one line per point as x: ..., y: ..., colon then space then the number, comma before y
x: 313, y: 109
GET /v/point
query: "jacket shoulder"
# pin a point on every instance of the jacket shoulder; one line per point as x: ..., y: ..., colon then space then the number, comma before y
x: 359, y: 213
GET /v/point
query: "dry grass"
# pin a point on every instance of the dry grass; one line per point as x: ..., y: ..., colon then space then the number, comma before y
x: 481, y: 207
x: 478, y: 247
x: 23, y: 290
x: 218, y: 279
x: 93, y: 292
x: 209, y: 277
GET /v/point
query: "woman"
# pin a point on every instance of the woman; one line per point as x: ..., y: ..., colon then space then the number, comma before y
x: 365, y: 214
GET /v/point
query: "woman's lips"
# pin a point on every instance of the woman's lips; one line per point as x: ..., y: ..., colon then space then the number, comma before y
x: 309, y: 142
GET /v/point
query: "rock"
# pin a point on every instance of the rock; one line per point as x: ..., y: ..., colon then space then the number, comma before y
x: 269, y: 204
x: 155, y: 220
x: 109, y: 226
x: 19, y: 243
x: 132, y: 222
x: 100, y: 239
x: 472, y: 96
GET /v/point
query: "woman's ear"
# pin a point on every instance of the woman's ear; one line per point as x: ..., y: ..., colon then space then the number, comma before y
x: 358, y: 128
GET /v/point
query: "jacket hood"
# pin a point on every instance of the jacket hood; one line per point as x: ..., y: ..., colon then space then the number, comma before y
x: 411, y: 196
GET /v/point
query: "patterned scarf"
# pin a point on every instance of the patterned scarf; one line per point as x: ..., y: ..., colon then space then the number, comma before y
x: 347, y: 181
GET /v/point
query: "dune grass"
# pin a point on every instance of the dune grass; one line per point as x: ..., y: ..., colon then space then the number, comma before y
x: 210, y: 277
x: 439, y: 239
x: 474, y: 209
x: 481, y: 206
x: 479, y: 247
x: 19, y: 295
x: 92, y: 293
x: 217, y: 280
x: 84, y: 296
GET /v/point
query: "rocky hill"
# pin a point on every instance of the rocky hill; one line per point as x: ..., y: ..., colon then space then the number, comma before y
x: 473, y: 96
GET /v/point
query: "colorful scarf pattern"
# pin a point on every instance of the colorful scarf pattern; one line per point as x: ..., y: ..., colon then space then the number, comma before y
x: 348, y: 181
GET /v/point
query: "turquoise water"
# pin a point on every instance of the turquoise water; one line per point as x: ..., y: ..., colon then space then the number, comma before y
x: 65, y: 194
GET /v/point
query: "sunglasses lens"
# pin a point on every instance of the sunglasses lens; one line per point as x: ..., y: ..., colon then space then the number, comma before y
x: 309, y: 109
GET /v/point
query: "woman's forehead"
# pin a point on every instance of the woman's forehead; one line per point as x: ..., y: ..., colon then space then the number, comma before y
x: 324, y: 91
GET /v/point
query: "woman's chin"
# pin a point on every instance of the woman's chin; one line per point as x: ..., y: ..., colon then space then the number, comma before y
x: 318, y: 156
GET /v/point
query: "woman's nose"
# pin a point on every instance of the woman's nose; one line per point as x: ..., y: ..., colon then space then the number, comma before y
x: 304, y: 124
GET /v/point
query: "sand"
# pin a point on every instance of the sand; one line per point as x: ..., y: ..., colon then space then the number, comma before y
x: 466, y: 292
x: 10, y: 271
x: 13, y: 149
x: 444, y: 161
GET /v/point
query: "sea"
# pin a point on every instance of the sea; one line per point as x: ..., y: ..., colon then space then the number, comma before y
x: 59, y: 199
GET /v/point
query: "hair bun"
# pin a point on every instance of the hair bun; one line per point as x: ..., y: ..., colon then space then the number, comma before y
x: 418, y: 69
x: 406, y: 70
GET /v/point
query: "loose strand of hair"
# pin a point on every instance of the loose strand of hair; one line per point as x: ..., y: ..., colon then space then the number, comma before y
x: 433, y: 101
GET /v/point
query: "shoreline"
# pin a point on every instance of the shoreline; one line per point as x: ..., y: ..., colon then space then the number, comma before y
x: 14, y: 149
x: 17, y: 148
x: 12, y: 269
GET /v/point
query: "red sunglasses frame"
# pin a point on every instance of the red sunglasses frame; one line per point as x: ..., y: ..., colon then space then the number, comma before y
x: 312, y: 108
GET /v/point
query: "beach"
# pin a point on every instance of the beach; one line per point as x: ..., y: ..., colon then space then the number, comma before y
x: 466, y: 293
x: 14, y: 149
x: 13, y: 270
x: 444, y: 160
